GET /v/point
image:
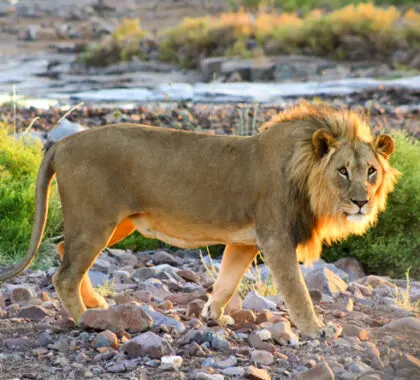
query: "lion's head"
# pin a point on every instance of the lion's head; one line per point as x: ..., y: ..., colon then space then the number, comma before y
x: 342, y: 168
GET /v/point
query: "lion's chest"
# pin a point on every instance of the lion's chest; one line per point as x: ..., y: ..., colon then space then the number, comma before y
x: 184, y: 234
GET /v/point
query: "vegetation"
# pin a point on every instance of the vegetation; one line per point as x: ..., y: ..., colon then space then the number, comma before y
x: 19, y: 163
x: 307, y: 5
x: 392, y: 246
x: 403, y: 298
x: 107, y: 289
x: 124, y: 43
x: 375, y: 32
x: 255, y: 283
x: 364, y: 29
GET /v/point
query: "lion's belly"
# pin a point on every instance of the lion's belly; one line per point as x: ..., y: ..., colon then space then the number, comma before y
x: 191, y: 235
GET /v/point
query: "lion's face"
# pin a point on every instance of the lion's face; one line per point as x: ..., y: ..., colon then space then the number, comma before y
x: 354, y: 173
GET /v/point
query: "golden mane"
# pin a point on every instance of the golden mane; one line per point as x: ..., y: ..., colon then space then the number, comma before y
x: 305, y: 170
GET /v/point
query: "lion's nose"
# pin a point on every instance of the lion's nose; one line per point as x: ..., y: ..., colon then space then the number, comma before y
x: 359, y: 203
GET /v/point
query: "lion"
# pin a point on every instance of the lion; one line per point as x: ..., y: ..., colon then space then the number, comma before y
x: 314, y: 174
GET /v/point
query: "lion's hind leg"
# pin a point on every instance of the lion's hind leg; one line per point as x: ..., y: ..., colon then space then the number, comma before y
x: 235, y: 262
x: 90, y: 297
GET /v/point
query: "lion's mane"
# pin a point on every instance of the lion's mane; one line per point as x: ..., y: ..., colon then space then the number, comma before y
x: 305, y: 172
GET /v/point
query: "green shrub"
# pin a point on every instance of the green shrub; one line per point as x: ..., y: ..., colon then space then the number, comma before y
x: 122, y: 45
x: 19, y: 163
x: 393, y: 245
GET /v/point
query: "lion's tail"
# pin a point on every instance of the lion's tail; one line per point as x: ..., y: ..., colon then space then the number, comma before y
x: 43, y: 183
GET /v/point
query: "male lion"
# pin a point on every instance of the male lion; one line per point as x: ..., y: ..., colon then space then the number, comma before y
x: 314, y: 174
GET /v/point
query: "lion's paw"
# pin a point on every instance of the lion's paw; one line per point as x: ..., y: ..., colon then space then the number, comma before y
x: 225, y: 321
x: 332, y: 330
x: 216, y: 318
x: 329, y: 331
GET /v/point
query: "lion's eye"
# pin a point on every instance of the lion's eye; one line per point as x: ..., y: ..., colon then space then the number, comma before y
x: 371, y: 171
x: 343, y: 171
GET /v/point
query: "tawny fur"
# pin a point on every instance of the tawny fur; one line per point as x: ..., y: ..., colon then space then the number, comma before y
x: 275, y: 191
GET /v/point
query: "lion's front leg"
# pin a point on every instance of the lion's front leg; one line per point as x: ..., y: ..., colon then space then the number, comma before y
x: 236, y: 260
x: 289, y: 280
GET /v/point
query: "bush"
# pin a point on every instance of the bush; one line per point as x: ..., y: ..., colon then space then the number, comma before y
x: 19, y: 163
x: 377, y: 31
x: 124, y: 43
x: 393, y: 245
x: 373, y: 32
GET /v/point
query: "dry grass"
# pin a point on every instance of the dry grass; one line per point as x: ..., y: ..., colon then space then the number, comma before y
x: 402, y: 297
x: 256, y: 283
x: 107, y: 289
x: 378, y: 30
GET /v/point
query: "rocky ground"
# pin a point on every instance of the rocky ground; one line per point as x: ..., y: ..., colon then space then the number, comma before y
x: 388, y: 109
x: 153, y: 329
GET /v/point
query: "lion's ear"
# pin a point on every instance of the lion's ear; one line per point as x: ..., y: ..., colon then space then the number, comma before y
x: 323, y: 141
x: 385, y: 145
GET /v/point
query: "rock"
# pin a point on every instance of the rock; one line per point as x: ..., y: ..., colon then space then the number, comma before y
x: 189, y: 275
x: 403, y: 324
x: 162, y: 257
x: 263, y: 357
x: 234, y: 371
x: 350, y: 266
x: 143, y: 296
x: 147, y: 344
x: 263, y: 317
x: 64, y: 128
x: 325, y: 281
x: 130, y: 317
x: 375, y: 281
x: 159, y: 319
x: 106, y: 339
x: 185, y: 298
x: 220, y: 344
x: 339, y: 313
x: 22, y: 343
x: 353, y: 330
x: 21, y: 294
x: 194, y: 308
x: 376, y: 363
x: 282, y: 333
x: 410, y: 364
x: 255, y: 340
x: 264, y: 334
x: 165, y: 305
x: 34, y: 313
x: 124, y: 298
x: 316, y: 295
x: 142, y: 274
x: 229, y: 362
x: 321, y: 371
x: 359, y: 367
x: 415, y: 62
x: 255, y: 373
x: 97, y: 278
x: 206, y: 376
x: 263, y: 72
x: 45, y: 339
x: 243, y: 316
x: 212, y: 67
x: 347, y: 305
x: 256, y: 302
x: 156, y: 288
x: 171, y: 362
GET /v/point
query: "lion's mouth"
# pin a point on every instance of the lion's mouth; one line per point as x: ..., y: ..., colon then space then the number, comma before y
x: 359, y: 217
